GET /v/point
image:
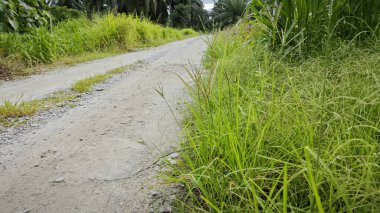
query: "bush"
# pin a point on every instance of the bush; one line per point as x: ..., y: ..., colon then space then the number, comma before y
x: 64, y: 13
x: 22, y: 15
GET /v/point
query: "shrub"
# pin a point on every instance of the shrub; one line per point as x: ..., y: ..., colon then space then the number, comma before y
x: 63, y: 13
x: 22, y: 15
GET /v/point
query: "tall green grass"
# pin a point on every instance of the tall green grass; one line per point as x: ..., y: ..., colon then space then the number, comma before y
x: 267, y: 135
x: 79, y: 36
x: 302, y: 25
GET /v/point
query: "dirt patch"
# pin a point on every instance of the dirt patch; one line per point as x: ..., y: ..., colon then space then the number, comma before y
x: 5, y: 71
x: 8, y: 68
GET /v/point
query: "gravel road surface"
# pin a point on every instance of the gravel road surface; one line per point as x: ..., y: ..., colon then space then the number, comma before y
x: 99, y: 156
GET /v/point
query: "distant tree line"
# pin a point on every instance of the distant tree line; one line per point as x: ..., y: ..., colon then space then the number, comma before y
x: 20, y: 15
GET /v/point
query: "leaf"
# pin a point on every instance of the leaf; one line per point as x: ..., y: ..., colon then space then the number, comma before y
x: 12, y: 5
x: 24, y: 5
x: 13, y: 23
x: 2, y: 6
x: 2, y: 27
x: 3, y: 3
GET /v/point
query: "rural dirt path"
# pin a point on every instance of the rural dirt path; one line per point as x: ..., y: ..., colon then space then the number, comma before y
x: 98, y: 157
x: 37, y: 86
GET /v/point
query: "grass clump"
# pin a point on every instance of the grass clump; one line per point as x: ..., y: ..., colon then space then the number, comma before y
x: 10, y: 112
x: 86, y: 85
x: 76, y: 37
x: 16, y: 110
x: 269, y: 135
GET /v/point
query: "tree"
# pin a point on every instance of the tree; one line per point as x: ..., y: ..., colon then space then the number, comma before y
x: 181, y: 16
x: 227, y: 12
x: 188, y: 14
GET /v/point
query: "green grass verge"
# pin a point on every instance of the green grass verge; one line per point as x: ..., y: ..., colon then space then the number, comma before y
x: 71, y: 39
x: 268, y: 135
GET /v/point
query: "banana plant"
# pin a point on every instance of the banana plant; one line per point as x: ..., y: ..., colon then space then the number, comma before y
x: 22, y: 15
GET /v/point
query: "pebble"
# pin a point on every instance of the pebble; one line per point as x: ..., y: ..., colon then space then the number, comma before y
x: 59, y: 180
x: 174, y: 155
x: 154, y: 194
x: 172, y: 162
x: 168, y: 209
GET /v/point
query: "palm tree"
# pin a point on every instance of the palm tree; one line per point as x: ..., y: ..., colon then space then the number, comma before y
x: 227, y: 12
x: 155, y: 10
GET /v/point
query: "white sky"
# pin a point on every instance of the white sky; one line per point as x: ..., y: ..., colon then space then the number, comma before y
x: 209, y: 4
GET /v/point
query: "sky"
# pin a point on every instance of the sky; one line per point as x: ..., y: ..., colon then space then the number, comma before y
x: 209, y: 4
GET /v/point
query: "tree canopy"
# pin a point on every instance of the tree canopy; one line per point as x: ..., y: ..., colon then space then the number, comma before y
x: 227, y: 12
x: 19, y: 15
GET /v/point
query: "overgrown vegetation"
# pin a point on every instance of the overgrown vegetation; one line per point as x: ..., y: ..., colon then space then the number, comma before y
x: 76, y: 37
x: 272, y: 133
x: 301, y: 26
x: 227, y: 12
x: 22, y: 15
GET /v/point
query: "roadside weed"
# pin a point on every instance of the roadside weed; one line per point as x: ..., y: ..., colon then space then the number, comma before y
x: 18, y: 109
x: 267, y: 135
x: 86, y: 85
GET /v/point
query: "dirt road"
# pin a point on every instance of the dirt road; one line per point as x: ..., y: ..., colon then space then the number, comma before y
x: 98, y: 157
x: 40, y: 85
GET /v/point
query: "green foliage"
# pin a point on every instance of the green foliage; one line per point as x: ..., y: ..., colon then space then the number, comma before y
x: 303, y: 25
x: 228, y: 12
x: 64, y: 13
x: 154, y: 10
x: 189, y: 14
x: 266, y: 135
x: 15, y: 110
x: 78, y: 36
x: 22, y: 15
x: 181, y: 16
